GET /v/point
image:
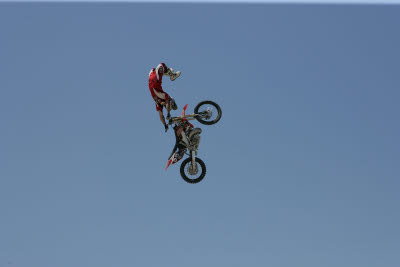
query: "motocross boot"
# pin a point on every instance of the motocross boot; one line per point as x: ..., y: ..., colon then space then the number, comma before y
x: 172, y: 75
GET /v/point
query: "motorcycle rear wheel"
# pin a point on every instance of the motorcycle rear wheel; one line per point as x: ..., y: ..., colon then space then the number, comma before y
x: 209, y: 103
x: 188, y: 162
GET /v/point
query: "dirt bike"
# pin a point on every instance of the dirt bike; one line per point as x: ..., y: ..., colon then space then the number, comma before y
x: 192, y: 169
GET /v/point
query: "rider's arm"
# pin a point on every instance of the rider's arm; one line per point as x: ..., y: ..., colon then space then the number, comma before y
x: 162, y: 118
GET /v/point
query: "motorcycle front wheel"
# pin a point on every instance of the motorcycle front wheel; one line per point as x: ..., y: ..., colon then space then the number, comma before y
x: 193, y: 174
x: 208, y: 112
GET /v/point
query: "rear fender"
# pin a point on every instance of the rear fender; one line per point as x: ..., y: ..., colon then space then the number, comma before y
x: 172, y: 160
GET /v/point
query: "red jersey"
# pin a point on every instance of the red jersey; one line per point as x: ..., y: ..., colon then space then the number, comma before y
x: 159, y: 96
x: 155, y: 80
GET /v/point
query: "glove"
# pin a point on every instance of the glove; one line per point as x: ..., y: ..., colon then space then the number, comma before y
x: 166, y: 127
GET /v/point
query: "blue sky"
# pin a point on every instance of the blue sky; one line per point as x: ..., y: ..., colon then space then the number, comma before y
x: 362, y: 2
x: 302, y: 169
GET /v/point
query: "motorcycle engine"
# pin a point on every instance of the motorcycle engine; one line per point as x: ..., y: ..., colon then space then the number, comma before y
x: 194, y: 137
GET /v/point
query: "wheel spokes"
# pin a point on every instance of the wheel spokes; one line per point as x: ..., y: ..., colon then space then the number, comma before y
x: 208, y: 113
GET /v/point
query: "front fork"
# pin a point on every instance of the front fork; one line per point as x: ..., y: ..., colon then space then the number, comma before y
x: 194, y: 158
x: 184, y: 138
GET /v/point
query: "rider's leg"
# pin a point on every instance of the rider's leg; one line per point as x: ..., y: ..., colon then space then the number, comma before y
x: 159, y: 109
x: 162, y: 118
x: 168, y: 107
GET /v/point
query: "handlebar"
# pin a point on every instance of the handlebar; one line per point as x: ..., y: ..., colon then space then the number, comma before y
x: 173, y: 120
x: 180, y: 118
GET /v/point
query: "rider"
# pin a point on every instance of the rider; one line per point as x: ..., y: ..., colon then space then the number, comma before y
x: 160, y: 97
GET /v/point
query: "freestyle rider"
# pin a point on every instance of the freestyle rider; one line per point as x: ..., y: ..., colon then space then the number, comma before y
x: 160, y: 97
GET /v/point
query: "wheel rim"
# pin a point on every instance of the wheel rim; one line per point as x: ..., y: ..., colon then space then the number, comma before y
x: 209, y: 111
x: 193, y: 172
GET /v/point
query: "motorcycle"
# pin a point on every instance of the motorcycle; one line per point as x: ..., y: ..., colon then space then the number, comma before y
x: 192, y: 168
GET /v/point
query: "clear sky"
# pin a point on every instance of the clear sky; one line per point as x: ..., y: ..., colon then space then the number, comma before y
x: 302, y: 170
x: 363, y: 2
